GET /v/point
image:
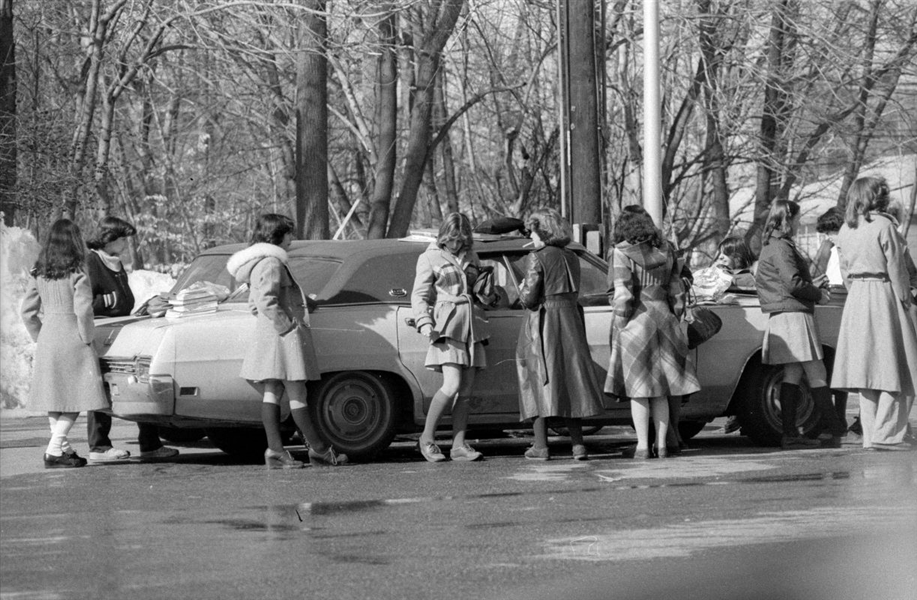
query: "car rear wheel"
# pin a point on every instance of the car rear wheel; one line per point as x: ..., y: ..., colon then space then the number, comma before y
x: 759, y: 412
x: 355, y: 412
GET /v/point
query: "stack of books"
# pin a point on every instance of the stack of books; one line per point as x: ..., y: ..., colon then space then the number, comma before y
x: 191, y: 301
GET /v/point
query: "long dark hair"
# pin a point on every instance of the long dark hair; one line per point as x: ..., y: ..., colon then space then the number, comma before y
x: 108, y: 230
x: 781, y: 215
x: 62, y: 253
x: 635, y: 226
x: 736, y: 248
x: 866, y: 194
x: 270, y: 228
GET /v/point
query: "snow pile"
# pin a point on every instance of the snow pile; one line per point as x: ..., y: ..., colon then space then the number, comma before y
x: 18, y: 252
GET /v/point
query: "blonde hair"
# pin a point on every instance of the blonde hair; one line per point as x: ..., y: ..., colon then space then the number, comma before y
x: 456, y: 226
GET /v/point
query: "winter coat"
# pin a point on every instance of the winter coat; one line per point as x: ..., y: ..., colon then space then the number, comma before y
x: 649, y: 348
x: 281, y: 347
x: 111, y: 294
x: 877, y: 341
x: 783, y: 279
x: 444, y: 296
x: 65, y: 373
x: 557, y: 377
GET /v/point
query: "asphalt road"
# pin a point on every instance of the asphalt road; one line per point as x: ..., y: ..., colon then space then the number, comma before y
x: 725, y: 520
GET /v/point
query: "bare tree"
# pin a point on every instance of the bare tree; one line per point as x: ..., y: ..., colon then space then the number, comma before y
x: 8, y: 140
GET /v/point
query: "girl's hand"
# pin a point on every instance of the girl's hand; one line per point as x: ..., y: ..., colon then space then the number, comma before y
x: 426, y: 330
x: 825, y: 296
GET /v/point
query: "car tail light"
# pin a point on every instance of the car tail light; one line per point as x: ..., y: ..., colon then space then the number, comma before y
x: 138, y: 366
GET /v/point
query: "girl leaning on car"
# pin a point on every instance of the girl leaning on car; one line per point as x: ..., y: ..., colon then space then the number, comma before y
x: 57, y: 312
x: 449, y: 288
x: 788, y: 295
x: 280, y: 356
x: 112, y: 297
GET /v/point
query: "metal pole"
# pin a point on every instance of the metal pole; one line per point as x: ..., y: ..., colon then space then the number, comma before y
x: 652, y: 114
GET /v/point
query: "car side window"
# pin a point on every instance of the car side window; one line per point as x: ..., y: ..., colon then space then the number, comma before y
x: 592, y: 277
x: 505, y: 284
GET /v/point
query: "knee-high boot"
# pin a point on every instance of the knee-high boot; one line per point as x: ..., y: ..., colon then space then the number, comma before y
x: 829, y: 419
x: 789, y: 400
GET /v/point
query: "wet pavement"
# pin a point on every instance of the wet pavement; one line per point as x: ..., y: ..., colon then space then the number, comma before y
x: 725, y: 520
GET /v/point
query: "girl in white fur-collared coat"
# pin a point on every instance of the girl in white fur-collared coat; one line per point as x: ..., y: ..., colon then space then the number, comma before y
x: 280, y: 356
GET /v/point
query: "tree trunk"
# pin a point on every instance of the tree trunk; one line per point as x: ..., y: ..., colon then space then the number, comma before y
x: 312, y: 126
x: 773, y: 114
x: 386, y: 121
x: 7, y: 114
x: 428, y: 58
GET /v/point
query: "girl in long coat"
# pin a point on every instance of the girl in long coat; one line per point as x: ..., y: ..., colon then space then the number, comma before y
x: 555, y: 370
x: 57, y: 312
x: 877, y: 344
x: 449, y: 288
x: 649, y: 348
x: 281, y: 355
x: 788, y: 296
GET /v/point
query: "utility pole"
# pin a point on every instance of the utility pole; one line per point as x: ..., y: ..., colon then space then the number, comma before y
x: 652, y: 114
x: 581, y: 51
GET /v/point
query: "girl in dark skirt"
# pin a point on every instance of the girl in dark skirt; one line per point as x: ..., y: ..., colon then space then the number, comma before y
x: 788, y: 295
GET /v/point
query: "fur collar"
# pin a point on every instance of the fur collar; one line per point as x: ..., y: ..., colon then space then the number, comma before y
x: 241, y: 263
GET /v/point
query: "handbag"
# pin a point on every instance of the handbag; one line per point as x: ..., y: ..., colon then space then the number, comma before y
x: 703, y: 324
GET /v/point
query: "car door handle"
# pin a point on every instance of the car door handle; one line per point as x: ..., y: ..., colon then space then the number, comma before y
x: 410, y: 322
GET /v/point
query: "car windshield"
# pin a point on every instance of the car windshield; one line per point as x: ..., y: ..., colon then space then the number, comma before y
x: 312, y: 273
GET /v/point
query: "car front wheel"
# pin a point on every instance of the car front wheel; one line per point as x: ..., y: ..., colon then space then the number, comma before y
x: 355, y: 412
x: 759, y: 412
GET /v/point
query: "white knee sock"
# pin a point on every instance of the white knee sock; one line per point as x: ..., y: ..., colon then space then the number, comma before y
x: 59, y: 430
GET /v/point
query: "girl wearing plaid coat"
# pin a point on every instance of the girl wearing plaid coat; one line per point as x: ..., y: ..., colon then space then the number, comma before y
x: 449, y: 288
x: 649, y: 348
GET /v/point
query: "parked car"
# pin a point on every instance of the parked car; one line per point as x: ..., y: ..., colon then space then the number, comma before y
x: 183, y: 372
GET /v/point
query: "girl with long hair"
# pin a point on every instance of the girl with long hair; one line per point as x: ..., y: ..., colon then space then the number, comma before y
x: 449, y: 290
x: 788, y: 296
x: 877, y: 344
x: 57, y: 312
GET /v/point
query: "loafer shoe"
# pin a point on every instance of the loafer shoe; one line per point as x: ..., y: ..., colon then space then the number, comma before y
x: 465, y: 453
x: 835, y: 441
x: 110, y: 455
x: 159, y: 453
x: 534, y: 453
x: 328, y: 458
x: 281, y: 460
x: 430, y: 451
x: 579, y: 452
x: 64, y: 461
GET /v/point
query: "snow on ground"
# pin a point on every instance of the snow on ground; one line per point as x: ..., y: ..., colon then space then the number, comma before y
x: 18, y: 252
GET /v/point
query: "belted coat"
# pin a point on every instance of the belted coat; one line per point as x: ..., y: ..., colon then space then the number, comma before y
x: 445, y: 298
x: 557, y: 377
